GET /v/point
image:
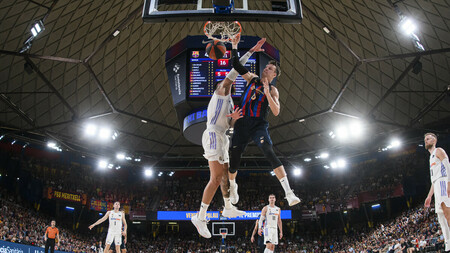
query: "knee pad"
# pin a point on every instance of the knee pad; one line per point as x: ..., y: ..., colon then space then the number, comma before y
x: 235, y: 158
x: 270, y: 155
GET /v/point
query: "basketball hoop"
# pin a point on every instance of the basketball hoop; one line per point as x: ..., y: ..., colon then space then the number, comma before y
x: 223, y: 31
x: 223, y: 234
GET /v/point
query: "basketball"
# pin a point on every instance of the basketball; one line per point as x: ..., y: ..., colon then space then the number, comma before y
x: 215, y: 49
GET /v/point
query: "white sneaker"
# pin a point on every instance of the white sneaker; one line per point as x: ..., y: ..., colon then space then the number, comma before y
x: 232, y: 212
x: 201, y: 226
x: 234, y: 196
x: 292, y: 199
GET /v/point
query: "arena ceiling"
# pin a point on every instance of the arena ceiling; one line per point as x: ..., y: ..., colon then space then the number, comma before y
x: 360, y: 70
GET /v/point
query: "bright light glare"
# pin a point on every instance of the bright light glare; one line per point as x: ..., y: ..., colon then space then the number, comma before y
x: 102, y: 164
x: 356, y: 128
x: 307, y: 159
x: 90, y: 130
x: 341, y: 132
x: 324, y: 155
x: 341, y: 163
x: 34, y: 32
x: 395, y: 143
x: 120, y: 156
x: 51, y: 144
x: 105, y: 133
x: 148, y: 172
x: 297, y: 172
x: 333, y: 165
x: 408, y: 26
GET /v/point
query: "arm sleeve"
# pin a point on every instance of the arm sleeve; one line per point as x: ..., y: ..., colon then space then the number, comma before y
x: 236, y: 64
x: 260, y: 222
x: 232, y: 75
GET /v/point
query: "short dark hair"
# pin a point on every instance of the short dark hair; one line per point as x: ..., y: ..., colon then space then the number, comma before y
x: 277, y: 65
x: 272, y: 195
x: 432, y: 134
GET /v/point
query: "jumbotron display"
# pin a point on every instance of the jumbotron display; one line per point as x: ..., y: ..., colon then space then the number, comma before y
x: 205, y: 72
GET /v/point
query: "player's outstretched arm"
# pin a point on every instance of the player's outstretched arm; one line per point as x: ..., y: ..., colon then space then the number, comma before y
x: 100, y: 221
x: 248, y: 76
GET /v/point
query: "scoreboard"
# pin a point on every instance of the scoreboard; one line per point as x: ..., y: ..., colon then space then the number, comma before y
x: 205, y: 72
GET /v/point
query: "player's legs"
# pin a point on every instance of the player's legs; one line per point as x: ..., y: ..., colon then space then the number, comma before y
x: 107, y: 247
x: 117, y: 248
x: 261, y: 137
x: 229, y: 210
x: 269, y: 248
x: 239, y: 141
x: 443, y: 219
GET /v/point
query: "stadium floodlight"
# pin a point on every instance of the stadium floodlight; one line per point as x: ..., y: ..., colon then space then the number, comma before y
x: 137, y: 159
x: 408, y: 26
x: 356, y: 128
x: 90, y: 130
x: 51, y: 144
x: 332, y: 135
x: 341, y: 163
x: 128, y: 158
x: 105, y: 133
x: 37, y: 28
x: 110, y: 166
x: 307, y: 159
x: 395, y: 143
x: 117, y: 167
x: 342, y: 132
x: 333, y: 165
x: 120, y: 156
x: 160, y: 174
x: 148, y: 172
x: 326, y: 166
x: 102, y: 164
x: 297, y: 172
x: 324, y: 155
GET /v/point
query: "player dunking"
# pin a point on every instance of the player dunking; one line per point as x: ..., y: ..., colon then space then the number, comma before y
x: 440, y: 187
x: 116, y: 220
x: 272, y: 215
x: 259, y: 95
x: 215, y: 144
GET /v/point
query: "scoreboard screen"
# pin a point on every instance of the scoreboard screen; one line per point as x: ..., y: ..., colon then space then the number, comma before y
x: 205, y: 72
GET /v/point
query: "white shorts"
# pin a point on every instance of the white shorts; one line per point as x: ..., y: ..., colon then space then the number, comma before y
x: 271, y: 236
x: 440, y: 194
x: 215, y: 144
x: 116, y: 237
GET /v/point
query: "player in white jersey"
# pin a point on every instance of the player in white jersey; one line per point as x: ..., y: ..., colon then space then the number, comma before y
x: 272, y: 215
x: 215, y: 144
x: 116, y: 221
x: 440, y: 187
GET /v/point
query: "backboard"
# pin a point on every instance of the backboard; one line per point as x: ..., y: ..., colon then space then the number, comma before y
x: 218, y: 227
x: 281, y: 11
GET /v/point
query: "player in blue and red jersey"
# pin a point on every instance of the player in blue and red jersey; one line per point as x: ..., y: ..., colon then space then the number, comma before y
x: 259, y: 95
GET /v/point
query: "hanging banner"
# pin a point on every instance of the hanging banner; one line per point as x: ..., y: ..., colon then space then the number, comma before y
x: 67, y: 196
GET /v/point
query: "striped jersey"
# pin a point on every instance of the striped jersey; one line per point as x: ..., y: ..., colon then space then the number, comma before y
x: 218, y: 108
x: 253, y: 101
x: 437, y: 168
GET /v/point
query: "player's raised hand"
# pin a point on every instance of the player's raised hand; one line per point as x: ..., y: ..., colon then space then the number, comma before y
x: 235, y: 40
x: 257, y: 47
x: 237, y: 114
x: 266, y: 86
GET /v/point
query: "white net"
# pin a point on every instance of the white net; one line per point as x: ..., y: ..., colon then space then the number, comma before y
x: 223, y: 31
